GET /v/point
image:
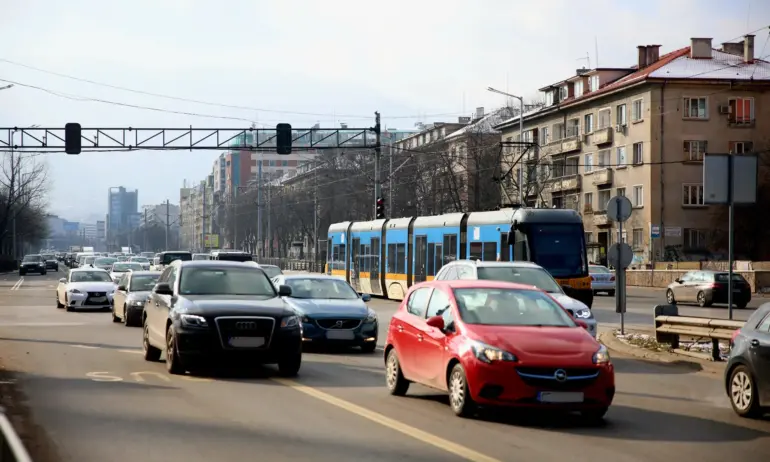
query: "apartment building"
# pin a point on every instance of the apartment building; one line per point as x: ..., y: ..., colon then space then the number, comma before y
x: 642, y: 132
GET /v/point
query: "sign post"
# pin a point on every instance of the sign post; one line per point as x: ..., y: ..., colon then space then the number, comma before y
x: 620, y: 254
x: 730, y: 179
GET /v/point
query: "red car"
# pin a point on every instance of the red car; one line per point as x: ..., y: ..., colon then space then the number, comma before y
x: 490, y: 343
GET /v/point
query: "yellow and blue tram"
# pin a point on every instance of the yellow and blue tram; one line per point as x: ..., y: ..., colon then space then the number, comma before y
x: 385, y: 257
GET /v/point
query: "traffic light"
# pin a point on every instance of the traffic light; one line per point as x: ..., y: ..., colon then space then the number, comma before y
x: 72, y: 141
x: 283, y: 139
x: 380, y: 208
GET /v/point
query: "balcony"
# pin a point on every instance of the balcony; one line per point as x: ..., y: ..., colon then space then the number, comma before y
x: 566, y: 183
x: 601, y: 219
x: 602, y: 177
x: 564, y: 146
x: 602, y: 136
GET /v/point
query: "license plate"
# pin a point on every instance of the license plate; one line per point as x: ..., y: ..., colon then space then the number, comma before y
x: 560, y: 397
x: 98, y: 299
x: 340, y: 335
x: 246, y: 342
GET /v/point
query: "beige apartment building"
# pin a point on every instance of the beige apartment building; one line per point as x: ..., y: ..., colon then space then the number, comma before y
x: 642, y: 132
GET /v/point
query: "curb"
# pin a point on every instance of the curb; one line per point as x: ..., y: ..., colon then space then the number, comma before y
x: 608, y: 339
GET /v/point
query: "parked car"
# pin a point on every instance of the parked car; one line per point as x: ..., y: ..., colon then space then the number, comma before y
x: 602, y: 279
x: 706, y: 287
x: 747, y: 375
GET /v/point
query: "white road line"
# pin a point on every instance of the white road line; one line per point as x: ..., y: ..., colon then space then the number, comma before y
x: 87, y: 347
x: 42, y: 324
x: 18, y: 284
x: 136, y: 352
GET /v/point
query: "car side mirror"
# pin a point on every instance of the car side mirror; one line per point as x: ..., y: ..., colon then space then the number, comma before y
x: 63, y: 280
x: 571, y: 312
x: 582, y: 324
x: 678, y: 281
x: 163, y: 288
x: 366, y: 297
x: 284, y: 290
x: 437, y: 322
x: 121, y: 287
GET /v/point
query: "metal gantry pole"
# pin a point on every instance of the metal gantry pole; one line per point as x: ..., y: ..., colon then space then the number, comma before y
x: 259, y: 208
x: 377, y: 159
x: 315, y: 212
x: 520, y: 178
x: 730, y: 240
x: 390, y: 178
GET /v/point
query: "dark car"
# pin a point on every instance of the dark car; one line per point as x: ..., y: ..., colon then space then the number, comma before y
x: 134, y: 289
x: 51, y: 263
x: 204, y: 312
x: 747, y: 375
x: 33, y: 263
x: 104, y: 263
x: 707, y: 287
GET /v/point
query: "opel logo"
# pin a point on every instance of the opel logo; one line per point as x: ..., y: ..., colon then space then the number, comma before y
x: 560, y: 375
x: 339, y: 324
x: 246, y: 325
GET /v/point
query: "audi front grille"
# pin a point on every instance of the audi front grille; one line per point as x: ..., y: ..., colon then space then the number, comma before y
x: 244, y: 326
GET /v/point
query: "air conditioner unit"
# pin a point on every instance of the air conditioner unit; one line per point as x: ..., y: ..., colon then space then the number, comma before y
x: 620, y: 128
x: 725, y: 110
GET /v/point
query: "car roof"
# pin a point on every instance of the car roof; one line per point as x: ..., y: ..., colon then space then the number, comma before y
x: 87, y: 269
x: 210, y: 264
x: 32, y: 255
x: 145, y: 273
x: 476, y: 284
x: 310, y: 276
x: 514, y: 264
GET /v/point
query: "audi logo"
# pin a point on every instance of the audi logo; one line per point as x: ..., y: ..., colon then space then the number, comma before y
x: 246, y: 325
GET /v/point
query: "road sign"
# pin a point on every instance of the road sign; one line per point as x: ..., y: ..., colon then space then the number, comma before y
x: 655, y: 231
x: 620, y: 255
x: 619, y: 208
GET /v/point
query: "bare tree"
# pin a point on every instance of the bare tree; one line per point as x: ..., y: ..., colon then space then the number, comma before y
x: 23, y: 185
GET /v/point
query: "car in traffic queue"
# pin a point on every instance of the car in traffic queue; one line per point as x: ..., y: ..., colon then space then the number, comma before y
x: 201, y: 256
x: 104, y: 263
x: 147, y: 255
x: 230, y: 255
x: 332, y: 312
x: 33, y: 263
x: 272, y: 271
x: 85, y: 288
x: 602, y: 279
x: 164, y: 259
x: 707, y: 287
x: 51, y: 262
x: 519, y: 272
x: 87, y: 261
x: 491, y: 343
x: 747, y: 375
x: 143, y: 261
x: 118, y: 269
x: 133, y: 290
x: 201, y: 313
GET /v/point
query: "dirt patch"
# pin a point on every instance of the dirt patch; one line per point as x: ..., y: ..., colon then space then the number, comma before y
x: 34, y: 437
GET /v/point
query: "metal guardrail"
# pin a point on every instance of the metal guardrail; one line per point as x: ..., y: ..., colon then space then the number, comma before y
x: 11, y: 447
x: 669, y: 327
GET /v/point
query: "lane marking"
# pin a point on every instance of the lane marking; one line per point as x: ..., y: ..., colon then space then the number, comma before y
x: 18, y: 284
x: 420, y: 435
x: 138, y: 376
x: 136, y: 352
x: 42, y: 324
x: 87, y: 347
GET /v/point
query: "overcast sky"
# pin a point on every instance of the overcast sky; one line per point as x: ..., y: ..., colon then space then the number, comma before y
x: 425, y: 60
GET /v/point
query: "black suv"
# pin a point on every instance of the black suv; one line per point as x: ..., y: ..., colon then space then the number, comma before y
x: 202, y: 312
x: 51, y: 263
x: 32, y: 264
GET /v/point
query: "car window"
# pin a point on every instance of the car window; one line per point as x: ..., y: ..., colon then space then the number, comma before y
x: 722, y: 277
x: 90, y: 276
x: 510, y: 307
x: 271, y: 271
x: 225, y: 281
x: 448, y: 273
x: 105, y: 261
x: 464, y: 272
x: 143, y: 282
x: 439, y: 304
x: 164, y: 276
x: 598, y: 269
x: 32, y: 258
x: 521, y: 275
x: 168, y: 257
x: 417, y: 301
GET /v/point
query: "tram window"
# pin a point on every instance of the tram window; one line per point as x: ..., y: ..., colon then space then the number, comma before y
x: 490, y: 251
x: 450, y: 248
x: 329, y: 250
x: 391, y: 259
x: 400, y: 258
x: 438, y: 259
x: 431, y: 257
x: 476, y: 250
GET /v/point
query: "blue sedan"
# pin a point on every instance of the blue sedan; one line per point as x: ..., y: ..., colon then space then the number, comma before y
x: 332, y: 312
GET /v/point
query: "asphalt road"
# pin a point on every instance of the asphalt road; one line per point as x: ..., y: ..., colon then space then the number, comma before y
x: 98, y: 400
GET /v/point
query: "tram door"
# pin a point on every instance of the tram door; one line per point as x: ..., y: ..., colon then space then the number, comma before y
x: 355, y: 264
x: 374, y: 271
x: 420, y: 260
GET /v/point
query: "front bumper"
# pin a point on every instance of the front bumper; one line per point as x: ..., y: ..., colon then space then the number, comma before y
x: 365, y: 333
x: 54, y: 265
x: 592, y: 326
x: 32, y: 268
x: 84, y: 301
x: 504, y: 384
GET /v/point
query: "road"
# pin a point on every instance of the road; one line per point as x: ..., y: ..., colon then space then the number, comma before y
x: 88, y: 386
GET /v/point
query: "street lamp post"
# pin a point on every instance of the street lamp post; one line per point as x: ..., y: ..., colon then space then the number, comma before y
x: 520, y: 176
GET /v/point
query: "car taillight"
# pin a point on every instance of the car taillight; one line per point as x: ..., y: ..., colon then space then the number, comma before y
x: 716, y: 286
x: 612, y: 278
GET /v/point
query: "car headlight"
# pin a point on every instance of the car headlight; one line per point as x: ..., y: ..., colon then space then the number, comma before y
x: 583, y: 313
x: 602, y: 356
x: 139, y: 303
x: 371, y: 316
x: 490, y: 354
x: 193, y: 320
x: 74, y: 291
x: 290, y: 321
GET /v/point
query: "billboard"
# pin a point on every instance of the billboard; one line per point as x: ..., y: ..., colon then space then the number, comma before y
x: 211, y: 241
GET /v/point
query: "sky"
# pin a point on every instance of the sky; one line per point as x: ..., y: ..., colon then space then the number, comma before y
x: 305, y: 62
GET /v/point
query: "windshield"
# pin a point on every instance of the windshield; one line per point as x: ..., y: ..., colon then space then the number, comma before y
x: 89, y: 276
x: 143, y: 282
x: 123, y: 267
x: 139, y: 260
x: 329, y: 289
x: 32, y: 258
x: 225, y: 281
x: 234, y: 257
x: 560, y: 249
x: 48, y: 257
x: 173, y: 256
x: 105, y: 261
x: 201, y: 256
x: 271, y: 271
x: 598, y: 269
x: 510, y: 307
x: 89, y: 260
x: 530, y: 276
x: 724, y: 277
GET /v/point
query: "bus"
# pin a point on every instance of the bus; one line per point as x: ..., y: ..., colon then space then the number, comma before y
x: 385, y: 257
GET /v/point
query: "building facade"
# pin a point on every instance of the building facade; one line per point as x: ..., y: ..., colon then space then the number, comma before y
x: 642, y: 132
x: 122, y: 211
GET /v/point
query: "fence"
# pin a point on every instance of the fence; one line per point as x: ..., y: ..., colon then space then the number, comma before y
x: 11, y: 447
x: 287, y: 264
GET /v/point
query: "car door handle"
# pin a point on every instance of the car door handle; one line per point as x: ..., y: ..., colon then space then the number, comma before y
x: 400, y: 328
x: 157, y: 304
x: 420, y: 337
x: 755, y: 343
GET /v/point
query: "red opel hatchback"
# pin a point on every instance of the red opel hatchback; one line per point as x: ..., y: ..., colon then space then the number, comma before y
x: 495, y: 343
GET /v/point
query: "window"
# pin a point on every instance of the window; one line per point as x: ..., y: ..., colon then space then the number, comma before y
x: 558, y: 132
x: 578, y: 88
x: 573, y: 127
x: 604, y: 118
x: 589, y: 163
x: 621, y: 155
x: 604, y: 158
x: 563, y: 93
x: 621, y: 192
x: 439, y: 303
x: 620, y: 114
x: 572, y: 202
x: 637, y: 238
x: 636, y: 110
x: 589, y: 123
x: 604, y: 197
x: 741, y: 111
x: 589, y: 202
x: 695, y: 108
x: 571, y: 166
x: 692, y: 194
x: 557, y: 202
x: 593, y: 83
x: 549, y: 98
x: 638, y: 199
x: 693, y: 238
x: 417, y: 301
x: 544, y: 136
x: 741, y: 147
x: 589, y: 236
x: 638, y: 153
x: 694, y: 150
x: 557, y: 168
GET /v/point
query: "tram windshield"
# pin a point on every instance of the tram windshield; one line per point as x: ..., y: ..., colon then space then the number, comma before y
x: 560, y: 249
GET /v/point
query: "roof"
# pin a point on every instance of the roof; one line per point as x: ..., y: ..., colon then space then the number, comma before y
x: 87, y: 268
x: 145, y: 273
x: 210, y: 264
x: 484, y: 125
x: 721, y: 66
x: 474, y: 284
x: 312, y: 276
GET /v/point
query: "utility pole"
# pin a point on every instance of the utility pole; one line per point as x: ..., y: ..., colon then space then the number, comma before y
x: 168, y: 221
x: 390, y: 177
x: 315, y: 212
x: 377, y: 155
x: 269, y: 229
x: 145, y: 230
x: 259, y: 209
x: 235, y: 221
x: 203, y: 217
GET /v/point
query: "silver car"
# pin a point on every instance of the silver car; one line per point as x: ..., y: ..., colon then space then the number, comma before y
x: 602, y: 279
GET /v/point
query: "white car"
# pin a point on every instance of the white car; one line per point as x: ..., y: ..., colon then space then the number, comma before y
x: 122, y: 267
x: 85, y: 288
x: 144, y: 261
x: 602, y: 279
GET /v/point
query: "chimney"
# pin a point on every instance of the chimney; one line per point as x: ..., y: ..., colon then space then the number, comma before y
x: 733, y: 48
x: 700, y: 48
x: 748, y: 48
x: 653, y: 54
x: 642, y: 56
x: 479, y: 112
